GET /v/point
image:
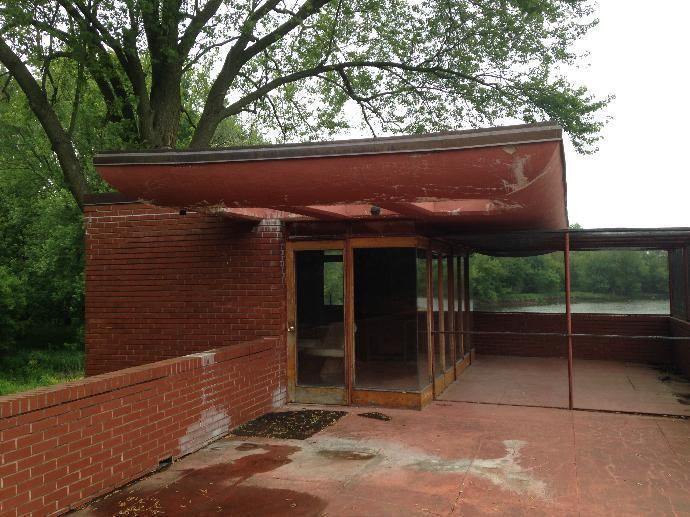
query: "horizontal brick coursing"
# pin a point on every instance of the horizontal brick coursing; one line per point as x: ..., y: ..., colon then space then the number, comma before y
x: 618, y: 349
x: 160, y: 284
x: 681, y: 349
x: 63, y: 445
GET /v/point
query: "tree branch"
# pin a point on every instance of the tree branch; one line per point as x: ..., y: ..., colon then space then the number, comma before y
x: 196, y: 25
x: 77, y: 101
x: 237, y: 106
x: 126, y: 53
x: 236, y: 58
x: 59, y: 140
x: 308, y: 8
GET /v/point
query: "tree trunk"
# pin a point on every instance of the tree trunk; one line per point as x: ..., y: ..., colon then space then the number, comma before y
x: 59, y: 140
x: 166, y: 105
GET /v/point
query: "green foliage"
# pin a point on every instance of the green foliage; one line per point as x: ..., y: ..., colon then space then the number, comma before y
x: 41, y: 231
x: 128, y: 75
x: 311, y: 69
x: 621, y: 273
x: 11, y: 302
x: 607, y: 274
x: 333, y: 283
x: 493, y: 278
x: 26, y: 369
x: 42, y: 255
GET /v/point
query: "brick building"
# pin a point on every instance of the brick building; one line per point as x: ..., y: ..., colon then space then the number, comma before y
x: 222, y: 284
x: 352, y: 255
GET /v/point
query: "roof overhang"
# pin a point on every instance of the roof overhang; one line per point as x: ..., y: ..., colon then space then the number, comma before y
x: 509, y: 177
x: 520, y: 243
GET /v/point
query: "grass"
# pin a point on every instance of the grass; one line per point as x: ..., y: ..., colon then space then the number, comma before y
x: 23, y: 368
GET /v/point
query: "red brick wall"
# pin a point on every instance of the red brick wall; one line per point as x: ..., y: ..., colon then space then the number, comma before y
x: 160, y: 284
x: 63, y: 445
x: 681, y: 349
x: 620, y: 349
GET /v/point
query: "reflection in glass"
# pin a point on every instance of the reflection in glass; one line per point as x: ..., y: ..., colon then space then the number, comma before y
x: 422, y: 327
x: 677, y: 273
x: 447, y: 313
x: 320, y: 318
x: 438, y: 335
x: 459, y: 305
x: 386, y: 319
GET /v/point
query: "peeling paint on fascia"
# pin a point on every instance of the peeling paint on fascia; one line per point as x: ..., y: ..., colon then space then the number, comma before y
x: 503, y: 205
x: 519, y: 172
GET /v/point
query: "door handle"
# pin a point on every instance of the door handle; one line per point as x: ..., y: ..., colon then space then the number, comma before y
x: 291, y: 327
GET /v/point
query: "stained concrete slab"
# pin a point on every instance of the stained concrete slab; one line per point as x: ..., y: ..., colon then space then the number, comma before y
x: 598, y: 385
x: 452, y: 458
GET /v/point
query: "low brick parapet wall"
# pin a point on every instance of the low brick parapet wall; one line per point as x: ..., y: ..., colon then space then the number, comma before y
x: 523, y: 325
x: 63, y: 445
x: 681, y: 348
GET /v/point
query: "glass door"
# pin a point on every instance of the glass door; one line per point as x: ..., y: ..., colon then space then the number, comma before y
x: 317, y: 336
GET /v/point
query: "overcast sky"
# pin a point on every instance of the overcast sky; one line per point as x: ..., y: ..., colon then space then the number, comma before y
x: 641, y: 175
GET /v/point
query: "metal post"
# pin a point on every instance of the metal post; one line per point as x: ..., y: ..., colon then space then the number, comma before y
x: 430, y: 317
x: 686, y: 281
x: 568, y: 319
x: 349, y: 326
x: 467, y: 324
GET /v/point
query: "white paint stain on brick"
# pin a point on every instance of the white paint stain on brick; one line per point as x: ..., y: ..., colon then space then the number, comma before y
x: 212, y: 424
x: 207, y: 358
x: 279, y: 397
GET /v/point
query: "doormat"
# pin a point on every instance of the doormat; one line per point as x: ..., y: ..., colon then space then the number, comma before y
x: 290, y: 425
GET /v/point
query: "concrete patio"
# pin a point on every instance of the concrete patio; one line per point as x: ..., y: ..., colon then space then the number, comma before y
x: 452, y: 458
x: 598, y: 385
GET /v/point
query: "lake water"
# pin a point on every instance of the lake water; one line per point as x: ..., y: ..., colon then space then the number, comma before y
x: 619, y: 307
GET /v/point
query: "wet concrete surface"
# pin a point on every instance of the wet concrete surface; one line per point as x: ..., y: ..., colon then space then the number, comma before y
x: 452, y: 458
x: 597, y: 385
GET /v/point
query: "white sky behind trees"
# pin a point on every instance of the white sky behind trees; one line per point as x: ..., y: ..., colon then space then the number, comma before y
x: 641, y: 175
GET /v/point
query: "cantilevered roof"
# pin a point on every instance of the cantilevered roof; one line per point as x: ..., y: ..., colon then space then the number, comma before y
x: 506, y: 177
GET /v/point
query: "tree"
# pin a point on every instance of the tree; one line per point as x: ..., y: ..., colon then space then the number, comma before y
x: 296, y: 66
x: 41, y: 231
x: 41, y: 257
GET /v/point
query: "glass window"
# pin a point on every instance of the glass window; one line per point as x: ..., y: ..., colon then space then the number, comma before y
x: 438, y: 309
x: 448, y: 337
x: 333, y: 292
x: 386, y: 319
x: 320, y: 318
x: 459, y: 304
x: 677, y: 280
x: 422, y: 322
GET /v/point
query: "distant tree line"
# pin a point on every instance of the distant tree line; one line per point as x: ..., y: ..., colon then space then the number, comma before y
x: 615, y: 274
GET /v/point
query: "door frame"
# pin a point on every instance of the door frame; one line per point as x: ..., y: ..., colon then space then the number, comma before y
x: 316, y: 394
x: 348, y: 395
